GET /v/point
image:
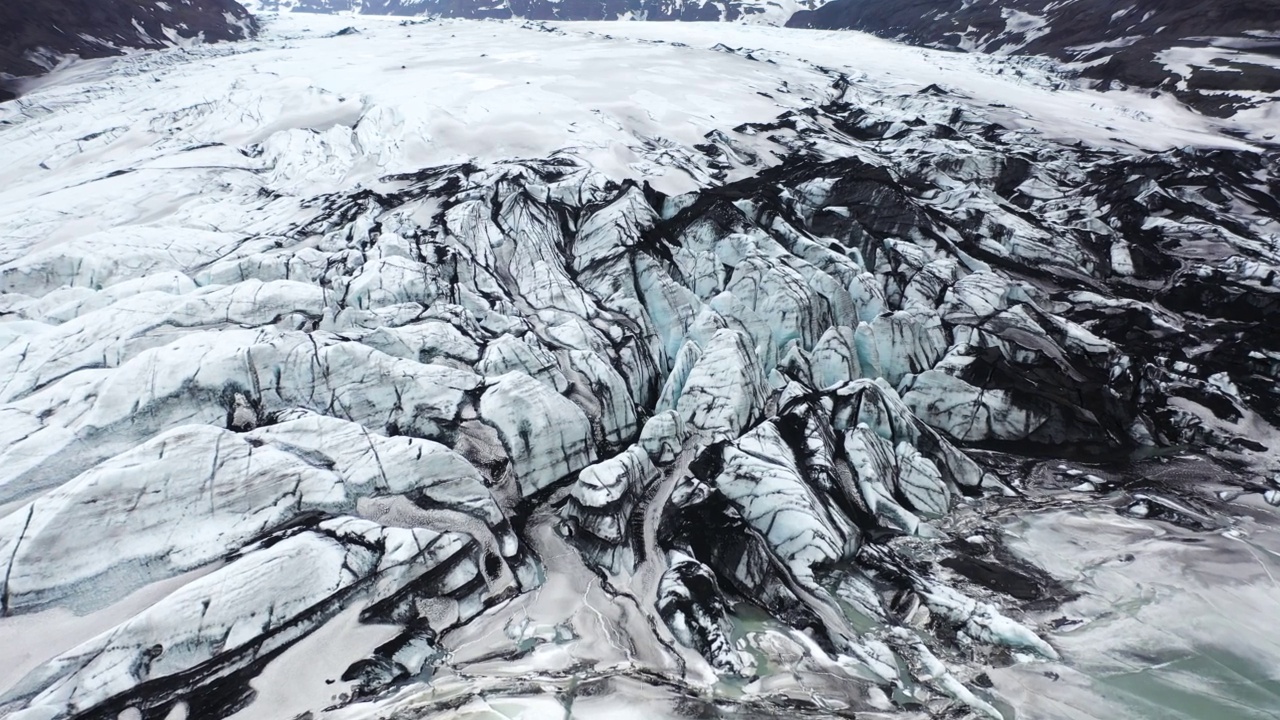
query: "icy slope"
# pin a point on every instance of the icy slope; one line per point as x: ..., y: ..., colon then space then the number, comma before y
x: 36, y: 36
x: 1023, y: 93
x: 448, y: 368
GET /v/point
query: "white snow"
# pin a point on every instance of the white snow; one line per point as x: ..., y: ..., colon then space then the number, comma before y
x: 1022, y: 23
x: 1218, y: 57
x: 1090, y: 48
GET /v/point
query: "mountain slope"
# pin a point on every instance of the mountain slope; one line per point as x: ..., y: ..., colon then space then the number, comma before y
x: 35, y: 35
x: 1217, y: 55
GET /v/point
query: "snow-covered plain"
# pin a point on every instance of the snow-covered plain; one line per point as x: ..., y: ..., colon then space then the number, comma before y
x: 447, y: 368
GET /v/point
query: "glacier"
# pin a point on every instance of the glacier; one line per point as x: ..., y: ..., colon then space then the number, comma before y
x: 415, y: 368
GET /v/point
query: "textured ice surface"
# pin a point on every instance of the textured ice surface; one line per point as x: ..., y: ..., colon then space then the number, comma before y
x: 770, y: 12
x: 609, y: 368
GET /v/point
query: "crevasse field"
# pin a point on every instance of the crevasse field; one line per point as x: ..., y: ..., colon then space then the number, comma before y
x: 459, y: 369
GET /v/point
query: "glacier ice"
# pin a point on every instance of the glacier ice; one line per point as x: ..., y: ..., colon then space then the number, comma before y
x: 734, y: 415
